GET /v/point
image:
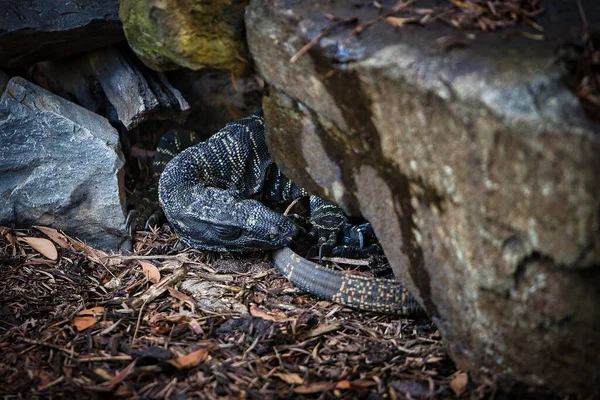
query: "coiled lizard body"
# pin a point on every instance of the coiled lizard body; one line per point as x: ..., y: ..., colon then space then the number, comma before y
x: 215, y: 195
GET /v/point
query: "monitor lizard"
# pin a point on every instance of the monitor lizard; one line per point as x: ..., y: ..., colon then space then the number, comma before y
x: 215, y: 196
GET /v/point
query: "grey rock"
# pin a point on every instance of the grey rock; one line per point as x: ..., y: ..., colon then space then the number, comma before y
x: 476, y: 165
x: 36, y: 30
x: 113, y: 84
x: 60, y: 166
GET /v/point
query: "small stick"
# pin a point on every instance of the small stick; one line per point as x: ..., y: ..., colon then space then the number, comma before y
x: 157, y: 257
x: 292, y: 204
x: 252, y: 346
x: 232, y: 77
x: 138, y: 322
x: 53, y: 383
x: 363, y: 27
x: 582, y: 15
x: 52, y: 346
x: 347, y: 261
x: 316, y: 39
x: 156, y: 290
x: 105, y: 358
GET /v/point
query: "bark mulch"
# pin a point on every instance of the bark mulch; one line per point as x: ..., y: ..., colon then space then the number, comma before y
x: 164, y: 322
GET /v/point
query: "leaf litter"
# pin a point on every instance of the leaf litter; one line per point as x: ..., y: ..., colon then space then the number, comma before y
x: 64, y: 330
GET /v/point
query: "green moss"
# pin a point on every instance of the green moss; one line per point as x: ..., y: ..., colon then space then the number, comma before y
x: 194, y: 34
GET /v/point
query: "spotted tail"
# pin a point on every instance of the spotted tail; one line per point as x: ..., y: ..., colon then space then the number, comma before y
x: 363, y: 293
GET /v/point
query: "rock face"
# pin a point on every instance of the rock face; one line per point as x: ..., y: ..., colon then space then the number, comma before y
x: 167, y: 34
x: 476, y: 165
x: 112, y: 84
x: 36, y: 30
x: 59, y: 166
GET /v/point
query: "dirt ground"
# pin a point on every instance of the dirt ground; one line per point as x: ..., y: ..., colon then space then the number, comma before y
x: 166, y: 322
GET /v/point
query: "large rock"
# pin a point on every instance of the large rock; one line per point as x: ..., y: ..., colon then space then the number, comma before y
x: 59, y: 166
x: 113, y: 84
x: 36, y: 30
x: 167, y: 34
x: 475, y: 163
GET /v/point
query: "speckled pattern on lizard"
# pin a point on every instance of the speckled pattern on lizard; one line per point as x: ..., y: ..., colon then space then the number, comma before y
x: 215, y: 194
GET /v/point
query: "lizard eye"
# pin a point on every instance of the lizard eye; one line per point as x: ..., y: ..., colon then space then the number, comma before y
x: 227, y: 232
x: 272, y: 236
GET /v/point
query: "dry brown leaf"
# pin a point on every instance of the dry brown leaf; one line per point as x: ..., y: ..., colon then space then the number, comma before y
x: 122, y: 392
x: 11, y: 239
x: 87, y: 318
x: 459, y: 383
x: 184, y: 319
x: 259, y: 298
x: 269, y: 316
x: 195, y: 326
x: 42, y: 378
x: 292, y: 379
x: 42, y: 246
x: 150, y: 271
x: 362, y: 383
x: 190, y: 360
x: 314, y: 387
x: 103, y: 373
x: 117, y: 379
x: 183, y: 297
x: 399, y: 22
x: 467, y: 5
x: 343, y: 385
x: 55, y: 235
x: 323, y: 330
x: 82, y: 323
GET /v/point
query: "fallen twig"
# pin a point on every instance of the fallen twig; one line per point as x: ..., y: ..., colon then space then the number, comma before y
x: 363, y: 27
x: 50, y: 345
x: 53, y: 383
x: 316, y: 39
x: 158, y: 289
x: 347, y: 261
x: 124, y: 357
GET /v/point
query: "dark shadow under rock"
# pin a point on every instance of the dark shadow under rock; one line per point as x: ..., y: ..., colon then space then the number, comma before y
x: 36, y: 30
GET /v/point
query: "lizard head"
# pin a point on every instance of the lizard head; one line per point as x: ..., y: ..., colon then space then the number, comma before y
x: 221, y: 221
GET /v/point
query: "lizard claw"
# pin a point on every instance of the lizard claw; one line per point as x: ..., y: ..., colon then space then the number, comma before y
x: 154, y: 219
x: 130, y: 222
x: 325, y: 249
x: 135, y: 221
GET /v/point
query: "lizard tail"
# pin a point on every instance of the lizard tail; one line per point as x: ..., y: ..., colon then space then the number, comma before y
x: 371, y: 294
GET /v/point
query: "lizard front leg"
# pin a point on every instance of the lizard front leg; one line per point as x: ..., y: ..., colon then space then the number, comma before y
x: 327, y: 221
x: 336, y: 236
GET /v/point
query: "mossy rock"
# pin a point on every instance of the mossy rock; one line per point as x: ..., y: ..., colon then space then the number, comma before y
x: 168, y: 34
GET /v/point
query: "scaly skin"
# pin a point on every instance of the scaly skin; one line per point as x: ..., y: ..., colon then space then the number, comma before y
x: 208, y: 193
